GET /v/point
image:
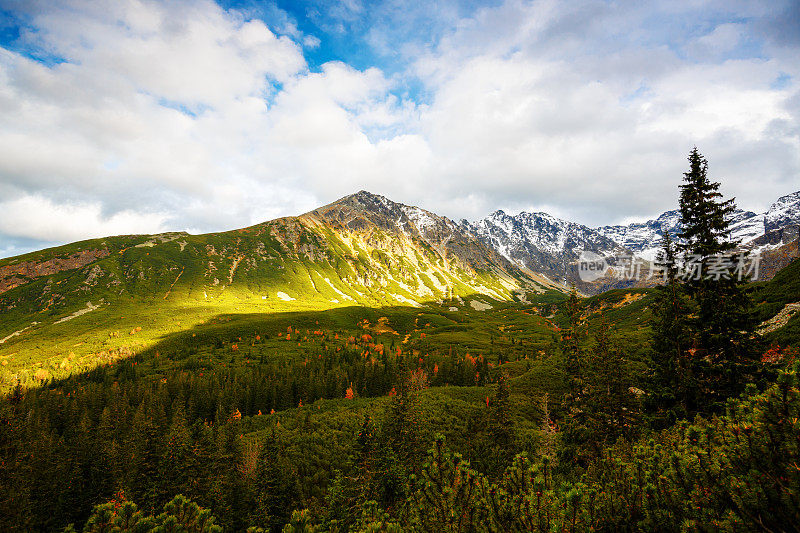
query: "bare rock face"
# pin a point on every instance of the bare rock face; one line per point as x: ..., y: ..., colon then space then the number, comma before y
x: 18, y: 274
x: 778, y: 248
x: 375, y: 216
x: 542, y: 243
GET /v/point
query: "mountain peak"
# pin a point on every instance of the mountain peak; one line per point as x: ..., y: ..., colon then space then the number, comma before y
x: 785, y: 211
x: 792, y: 196
x: 365, y: 199
x: 540, y: 241
x: 396, y: 223
x: 367, y: 194
x: 783, y: 202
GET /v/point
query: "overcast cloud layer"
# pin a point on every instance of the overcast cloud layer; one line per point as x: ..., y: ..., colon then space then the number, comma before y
x: 134, y: 116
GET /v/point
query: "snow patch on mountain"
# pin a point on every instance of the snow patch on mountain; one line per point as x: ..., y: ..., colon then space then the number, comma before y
x: 644, y: 238
x: 785, y: 211
x: 540, y: 230
x: 423, y: 220
x: 539, y: 241
x: 546, y: 244
x: 748, y: 229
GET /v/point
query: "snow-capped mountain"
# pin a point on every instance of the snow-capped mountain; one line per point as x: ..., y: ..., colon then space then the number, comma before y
x: 546, y: 244
x: 644, y: 238
x: 783, y: 213
x: 541, y: 242
x: 747, y: 227
x: 363, y: 211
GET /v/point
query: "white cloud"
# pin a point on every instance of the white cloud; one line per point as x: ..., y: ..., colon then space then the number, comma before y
x: 310, y: 41
x: 209, y: 120
x: 721, y: 40
x: 539, y: 103
x: 38, y: 218
x: 189, y: 52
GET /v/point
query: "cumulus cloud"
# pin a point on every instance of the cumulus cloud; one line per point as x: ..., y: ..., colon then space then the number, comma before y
x: 155, y: 107
x: 575, y: 106
x: 33, y: 217
x: 139, y: 116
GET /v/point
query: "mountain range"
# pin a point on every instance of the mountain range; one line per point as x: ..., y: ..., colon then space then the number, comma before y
x: 551, y: 246
x: 362, y: 249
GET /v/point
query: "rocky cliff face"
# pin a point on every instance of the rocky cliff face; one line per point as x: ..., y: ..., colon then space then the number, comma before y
x: 376, y: 217
x: 540, y: 242
x: 546, y: 244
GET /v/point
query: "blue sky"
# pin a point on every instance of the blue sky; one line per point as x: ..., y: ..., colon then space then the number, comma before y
x: 138, y: 116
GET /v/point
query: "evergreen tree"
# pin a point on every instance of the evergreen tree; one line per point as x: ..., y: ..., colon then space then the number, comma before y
x: 500, y: 428
x: 606, y: 409
x: 180, y: 516
x: 571, y: 339
x: 446, y: 497
x: 674, y: 388
x: 276, y: 494
x: 574, y: 434
x: 400, y: 428
x: 724, y: 325
x: 145, y: 443
x: 612, y: 404
x: 227, y: 483
x: 400, y: 442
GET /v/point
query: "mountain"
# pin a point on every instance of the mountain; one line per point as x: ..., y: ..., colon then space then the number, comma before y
x: 546, y: 244
x: 360, y: 250
x: 363, y: 249
x: 375, y: 217
x: 754, y: 231
x: 747, y: 227
x: 644, y: 238
x: 541, y: 242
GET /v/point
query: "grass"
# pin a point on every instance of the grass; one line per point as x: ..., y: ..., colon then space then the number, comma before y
x: 150, y: 287
x: 152, y: 291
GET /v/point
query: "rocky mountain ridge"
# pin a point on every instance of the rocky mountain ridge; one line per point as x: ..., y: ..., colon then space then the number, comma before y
x: 541, y: 242
x: 546, y: 244
x: 365, y: 249
x: 362, y: 250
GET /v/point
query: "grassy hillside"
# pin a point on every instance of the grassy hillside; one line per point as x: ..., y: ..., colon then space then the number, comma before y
x: 773, y: 296
x: 71, y: 308
x: 310, y: 362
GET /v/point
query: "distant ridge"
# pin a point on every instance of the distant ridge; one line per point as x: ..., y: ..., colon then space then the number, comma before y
x: 546, y: 244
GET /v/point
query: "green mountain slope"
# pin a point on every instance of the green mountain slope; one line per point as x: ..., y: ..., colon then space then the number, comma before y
x: 189, y: 372
x: 93, y: 301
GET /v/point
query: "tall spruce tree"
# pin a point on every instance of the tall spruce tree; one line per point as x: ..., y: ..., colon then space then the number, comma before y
x: 673, y: 388
x: 605, y: 408
x: 612, y: 405
x: 500, y: 428
x: 399, y: 441
x: 723, y: 325
x: 575, y: 430
x: 275, y: 491
x: 571, y: 339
